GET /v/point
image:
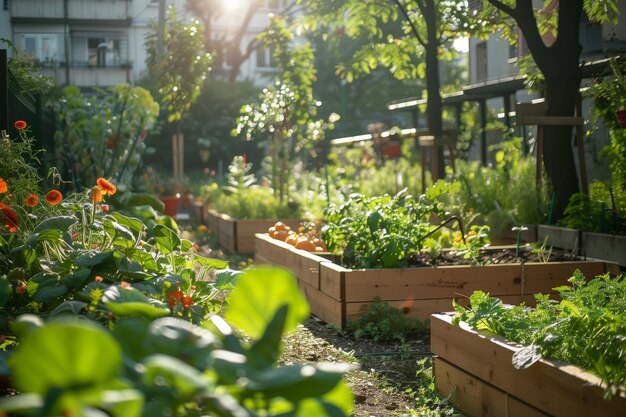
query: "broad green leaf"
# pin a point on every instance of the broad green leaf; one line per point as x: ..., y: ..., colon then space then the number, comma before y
x: 6, y: 291
x: 65, y: 355
x: 61, y: 223
x: 167, y: 240
x: 92, y: 258
x: 146, y: 199
x: 25, y: 325
x: 69, y: 307
x: 181, y: 339
x: 296, y: 383
x: 184, y: 379
x: 259, y: 294
x: 45, y: 287
x: 133, y: 224
x: 76, y: 279
x: 130, y: 302
x: 226, y: 279
x: 265, y: 351
x: 49, y: 235
x: 210, y: 262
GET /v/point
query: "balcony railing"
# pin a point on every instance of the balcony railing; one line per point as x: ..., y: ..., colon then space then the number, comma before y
x: 89, y: 76
x: 76, y: 9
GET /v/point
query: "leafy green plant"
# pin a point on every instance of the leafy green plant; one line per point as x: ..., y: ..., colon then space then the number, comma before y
x: 103, y: 133
x: 499, y: 195
x: 586, y: 328
x: 542, y: 250
x: 602, y: 210
x: 379, y: 232
x: 243, y: 198
x: 384, y: 323
x: 167, y: 366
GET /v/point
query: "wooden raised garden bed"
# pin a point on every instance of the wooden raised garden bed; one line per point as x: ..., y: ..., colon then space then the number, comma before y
x: 237, y: 235
x: 475, y: 371
x: 594, y: 245
x: 337, y: 294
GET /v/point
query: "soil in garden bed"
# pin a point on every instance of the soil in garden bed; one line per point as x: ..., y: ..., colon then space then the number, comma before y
x: 488, y: 256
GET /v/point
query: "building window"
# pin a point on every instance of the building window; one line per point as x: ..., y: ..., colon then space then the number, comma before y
x: 481, y: 61
x: 265, y: 57
x: 99, y: 49
x: 45, y: 48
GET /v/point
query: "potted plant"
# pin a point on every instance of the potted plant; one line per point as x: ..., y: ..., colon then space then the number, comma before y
x: 609, y: 95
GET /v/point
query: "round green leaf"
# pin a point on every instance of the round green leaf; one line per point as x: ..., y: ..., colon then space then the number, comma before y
x: 258, y: 295
x: 130, y: 302
x: 65, y: 355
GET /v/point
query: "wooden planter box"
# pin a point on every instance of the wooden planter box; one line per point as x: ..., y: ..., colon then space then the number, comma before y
x: 476, y: 372
x: 238, y: 235
x: 337, y: 294
x: 605, y: 246
x: 594, y: 245
x: 560, y: 237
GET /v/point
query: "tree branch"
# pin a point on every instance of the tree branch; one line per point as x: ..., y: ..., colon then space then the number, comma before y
x: 505, y: 8
x: 413, y: 28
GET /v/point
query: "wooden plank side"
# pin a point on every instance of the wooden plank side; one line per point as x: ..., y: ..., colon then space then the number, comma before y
x: 213, y: 221
x: 332, y: 280
x: 323, y: 306
x: 559, y: 237
x: 476, y: 398
x: 556, y: 389
x: 541, y: 278
x: 430, y: 283
x: 226, y: 235
x: 423, y: 309
x: 304, y: 265
x: 605, y: 246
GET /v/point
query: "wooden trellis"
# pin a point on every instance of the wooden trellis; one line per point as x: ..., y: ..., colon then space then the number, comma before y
x: 535, y: 114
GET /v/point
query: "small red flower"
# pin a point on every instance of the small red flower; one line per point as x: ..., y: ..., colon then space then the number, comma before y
x: 31, y: 200
x: 9, y: 219
x: 174, y: 297
x: 21, y: 288
x: 20, y: 124
x: 187, y: 301
x: 3, y: 186
x: 106, y: 187
x: 124, y: 284
x: 105, y: 207
x: 98, y: 278
x: 96, y: 194
x: 54, y: 197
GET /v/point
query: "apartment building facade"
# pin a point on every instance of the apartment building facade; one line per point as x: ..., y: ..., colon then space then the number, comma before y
x: 100, y: 43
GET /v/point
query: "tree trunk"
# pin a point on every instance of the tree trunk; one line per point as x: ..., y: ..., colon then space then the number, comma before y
x: 559, y: 64
x: 433, y: 84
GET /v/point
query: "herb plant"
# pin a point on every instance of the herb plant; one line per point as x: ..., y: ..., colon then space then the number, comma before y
x: 586, y: 328
x: 379, y: 232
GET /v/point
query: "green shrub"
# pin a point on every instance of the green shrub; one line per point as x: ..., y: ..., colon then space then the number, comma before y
x: 384, y: 323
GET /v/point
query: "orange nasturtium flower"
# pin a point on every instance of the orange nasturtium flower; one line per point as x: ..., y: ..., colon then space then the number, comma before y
x: 106, y: 187
x: 3, y: 186
x: 96, y: 194
x: 8, y: 218
x: 20, y: 124
x: 54, y: 197
x: 31, y: 200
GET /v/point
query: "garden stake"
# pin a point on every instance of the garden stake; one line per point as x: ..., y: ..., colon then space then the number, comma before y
x: 552, y: 201
x: 451, y: 218
x: 519, y: 237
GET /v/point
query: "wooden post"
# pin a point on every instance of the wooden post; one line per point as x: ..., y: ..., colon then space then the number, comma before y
x: 175, y: 156
x: 482, y: 104
x: 580, y: 144
x: 539, y: 146
x: 4, y: 91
